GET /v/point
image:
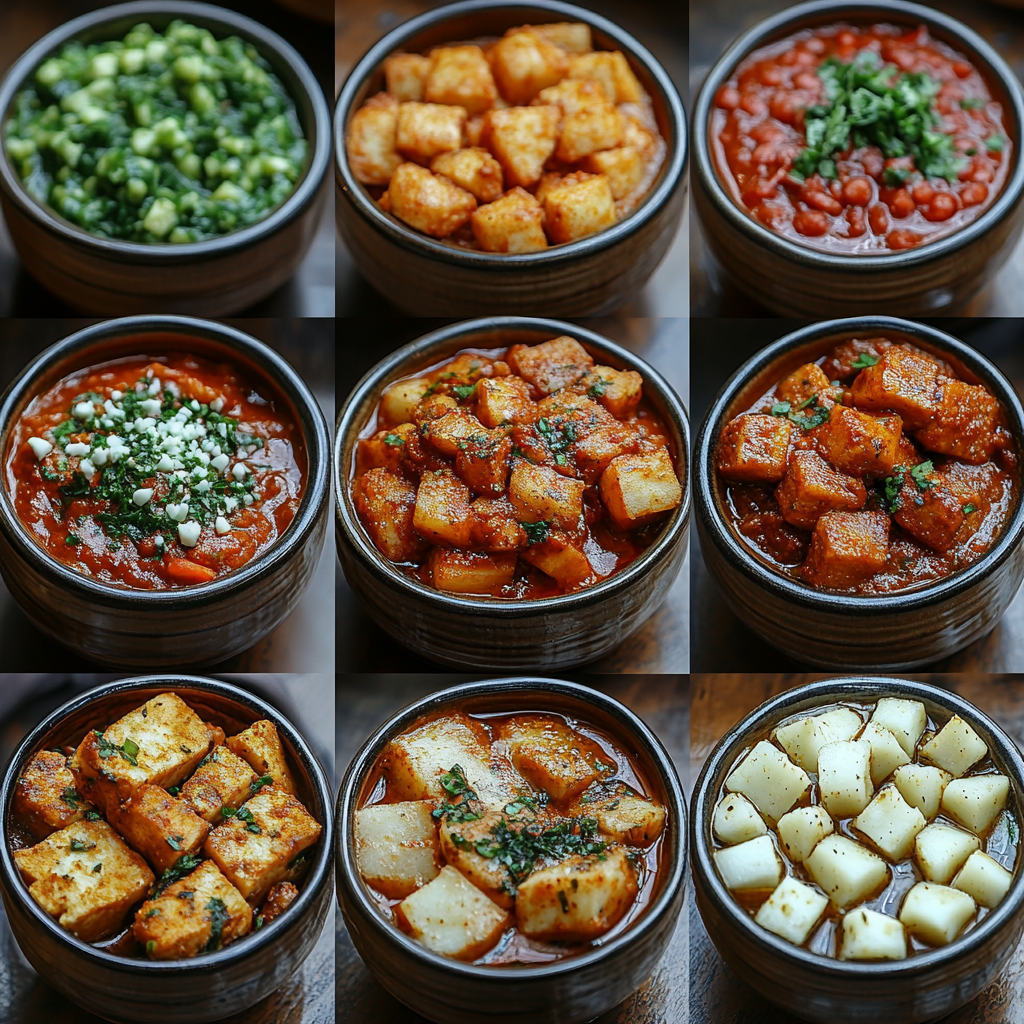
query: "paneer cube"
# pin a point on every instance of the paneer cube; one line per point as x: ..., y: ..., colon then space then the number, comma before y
x: 488, y: 874
x: 941, y: 850
x: 397, y: 846
x: 400, y: 399
x: 936, y: 913
x: 483, y: 460
x: 594, y: 453
x: 406, y: 76
x: 619, y: 391
x: 769, y: 780
x: 426, y: 129
x: 260, y: 745
x: 201, y: 913
x: 804, y: 737
x: 45, y: 797
x: 611, y: 69
x: 471, y: 572
x: 442, y: 514
x: 573, y: 36
x: 62, y: 877
x: 807, y: 381
x: 580, y: 204
x: 429, y: 202
x: 630, y: 820
x: 159, y: 826
x: 792, y: 911
x: 542, y: 494
x: 985, y: 880
x: 750, y: 865
x: 495, y: 527
x: 846, y: 549
x: 386, y: 504
x: 933, y: 514
x: 501, y: 400
x: 223, y: 780
x: 561, y: 559
x: 869, y: 935
x: 858, y: 443
x: 886, y: 753
x: 802, y: 829
x: 513, y: 223
x: 385, y: 450
x: 903, y: 382
x: 460, y: 75
x: 966, y: 423
x: 370, y: 140
x: 524, y: 63
x: 450, y: 431
x: 256, y: 851
x: 599, y: 126
x: 844, y: 777
x: 523, y: 139
x: 848, y: 872
x: 623, y: 166
x: 976, y: 802
x: 811, y: 487
x: 572, y: 96
x: 890, y: 823
x: 956, y: 747
x: 473, y: 169
x: 921, y: 786
x: 552, y: 365
x: 905, y: 719
x: 636, y: 489
x: 736, y: 820
x: 754, y: 449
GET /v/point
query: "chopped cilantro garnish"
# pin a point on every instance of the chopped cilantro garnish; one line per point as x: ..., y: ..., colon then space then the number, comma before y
x: 536, y: 533
x: 994, y: 143
x: 92, y: 815
x: 151, y: 947
x: 218, y: 918
x: 394, y: 440
x: 174, y: 842
x: 563, y: 901
x: 920, y: 474
x: 70, y: 797
x: 863, y: 361
x: 463, y: 806
x: 598, y: 388
x: 77, y: 846
x: 263, y: 780
x: 179, y: 869
x: 971, y: 103
x: 244, y: 815
x: 969, y: 508
x: 464, y: 390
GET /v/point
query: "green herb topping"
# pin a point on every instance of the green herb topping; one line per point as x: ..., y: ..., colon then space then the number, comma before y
x: 218, y: 918
x: 464, y: 803
x: 70, y: 797
x: 863, y: 361
x: 536, y: 533
x: 183, y: 866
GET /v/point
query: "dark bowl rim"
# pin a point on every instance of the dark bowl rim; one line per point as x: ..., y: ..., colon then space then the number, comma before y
x: 319, y: 874
x: 793, y: 701
x: 513, y: 686
x: 383, y: 570
x: 779, y: 584
x: 269, y: 44
x: 309, y: 419
x: 395, y: 231
x: 830, y: 10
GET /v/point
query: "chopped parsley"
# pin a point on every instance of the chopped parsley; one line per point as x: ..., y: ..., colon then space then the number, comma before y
x: 72, y: 540
x: 174, y: 842
x: 463, y: 806
x: 598, y: 388
x: 263, y: 780
x: 244, y: 815
x: 97, y: 868
x: 78, y: 846
x: 129, y: 751
x: 536, y: 533
x: 969, y: 508
x: 972, y: 103
x: 70, y: 797
x: 218, y: 918
x: 464, y: 390
x: 995, y: 143
x: 558, y: 435
x: 920, y: 475
x: 564, y: 902
x: 183, y: 866
x: 394, y: 440
x: 863, y: 361
x: 151, y: 947
x: 815, y: 414
x: 92, y: 815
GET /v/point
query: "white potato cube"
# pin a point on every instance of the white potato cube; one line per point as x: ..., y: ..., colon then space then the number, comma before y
x: 803, y: 738
x: 802, y: 829
x: 936, y: 913
x: 737, y: 820
x: 751, y: 865
x: 921, y: 785
x: 844, y: 777
x: 869, y: 935
x: 769, y: 780
x: 398, y: 401
x: 630, y: 820
x: 905, y: 719
x: 886, y: 753
x: 955, y: 747
x: 985, y: 880
x: 942, y: 849
x: 890, y: 823
x: 847, y: 871
x: 976, y: 802
x: 396, y: 846
x: 792, y: 911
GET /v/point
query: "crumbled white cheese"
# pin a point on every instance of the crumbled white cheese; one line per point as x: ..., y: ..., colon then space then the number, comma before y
x: 179, y: 513
x: 116, y: 396
x: 217, y: 404
x: 40, y: 448
x: 222, y: 526
x: 83, y: 411
x: 142, y: 495
x: 151, y: 406
x: 78, y: 448
x: 154, y: 388
x: 87, y: 469
x: 166, y: 464
x: 220, y: 462
x: 188, y: 533
x: 239, y: 471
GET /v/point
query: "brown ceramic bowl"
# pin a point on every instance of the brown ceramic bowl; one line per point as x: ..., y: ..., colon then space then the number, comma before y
x: 110, y: 277
x: 207, y: 987
x: 568, y: 991
x: 827, y: 630
x: 795, y: 280
x: 468, y: 632
x: 921, y: 988
x: 190, y: 626
x: 591, y: 276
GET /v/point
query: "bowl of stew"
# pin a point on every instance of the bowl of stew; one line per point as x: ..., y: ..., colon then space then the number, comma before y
x: 860, y: 158
x: 165, y: 490
x: 888, y: 531
x: 166, y: 849
x: 856, y: 850
x: 543, y: 173
x: 511, y: 491
x: 579, y: 814
x: 165, y: 157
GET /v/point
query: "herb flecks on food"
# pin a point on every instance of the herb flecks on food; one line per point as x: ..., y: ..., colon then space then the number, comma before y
x: 218, y: 918
x: 70, y: 797
x: 183, y: 866
x: 536, y: 533
x: 814, y: 416
x: 864, y: 360
x: 244, y: 815
x: 128, y: 751
x: 463, y: 803
x: 921, y: 475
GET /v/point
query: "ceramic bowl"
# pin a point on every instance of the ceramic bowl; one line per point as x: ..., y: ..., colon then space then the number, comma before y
x: 190, y: 626
x: 795, y: 280
x: 223, y: 275
x: 591, y: 276
x: 827, y: 630
x: 569, y: 991
x: 208, y: 987
x: 924, y: 987
x: 480, y: 633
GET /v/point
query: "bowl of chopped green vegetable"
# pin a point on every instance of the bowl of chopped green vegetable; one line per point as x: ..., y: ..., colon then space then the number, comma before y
x: 162, y: 157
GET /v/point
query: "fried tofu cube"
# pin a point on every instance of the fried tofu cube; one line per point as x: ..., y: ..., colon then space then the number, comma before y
x: 524, y: 63
x: 922, y: 786
x: 561, y: 559
x: 442, y: 514
x: 223, y: 780
x: 482, y: 462
x: 792, y: 911
x: 370, y: 140
x: 635, y: 489
x: 905, y: 719
x: 256, y: 850
x: 623, y: 166
x: 45, y: 797
x: 936, y: 913
x: 754, y: 449
x: 400, y: 399
x: 886, y: 753
x: 495, y: 527
x: 450, y: 431
x: 848, y: 872
x: 406, y: 76
x: 847, y: 548
x: 736, y: 820
x: 630, y: 820
x: 426, y: 129
x: 857, y: 443
x: 619, y: 391
x: 472, y: 572
x: 159, y: 826
x: 578, y: 205
x: 523, y: 139
x: 260, y: 746
x: 63, y: 878
x: 452, y: 917
x: 933, y: 515
x: 807, y: 381
x: 750, y: 865
x: 976, y: 802
x: 513, y: 223
x: 811, y: 487
x: 844, y: 777
x: 429, y: 202
x: 577, y: 900
x: 802, y: 829
x: 955, y: 747
x: 966, y: 423
x: 201, y: 913
x: 590, y: 130
x: 611, y: 69
x: 869, y: 935
x: 460, y: 75
x: 941, y: 850
x: 769, y: 780
x: 542, y: 494
x: 985, y: 880
x: 572, y: 96
x: 890, y: 823
x: 488, y: 874
x: 903, y: 382
x: 474, y: 170
x: 573, y: 36
x: 594, y: 453
x: 552, y: 365
x: 803, y: 739
x: 501, y: 400
x: 397, y: 847
x: 386, y: 505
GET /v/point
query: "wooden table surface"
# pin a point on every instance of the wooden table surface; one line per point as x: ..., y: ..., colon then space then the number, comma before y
x: 660, y: 645
x: 714, y: 25
x: 304, y: 642
x: 365, y: 702
x: 717, y: 703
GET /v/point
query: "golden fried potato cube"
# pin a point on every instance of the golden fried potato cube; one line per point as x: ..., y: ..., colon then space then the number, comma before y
x: 260, y: 746
x: 159, y: 826
x: 562, y: 559
x: 573, y: 36
x: 524, y: 63
x: 589, y: 130
x: 385, y: 450
x: 966, y: 423
x: 429, y: 202
x: 523, y: 139
x: 495, y: 527
x: 442, y: 514
x: 200, y: 913
x: 280, y: 897
x: 460, y: 75
x: 45, y: 797
x: 811, y: 487
x: 577, y: 900
x: 642, y: 138
x: 623, y: 166
x: 255, y: 850
x: 542, y: 494
x: 619, y: 391
x: 638, y: 488
x: 426, y: 129
x: 432, y: 408
x: 472, y: 572
x: 223, y: 780
x: 501, y: 400
x: 855, y: 442
x: 488, y: 874
x: 628, y: 819
x: 86, y: 877
x: 552, y: 364
x: 847, y: 548
x: 567, y: 406
x: 594, y: 453
x: 482, y: 462
x: 406, y: 75
x: 612, y: 70
x: 580, y: 204
x: 396, y: 846
x: 933, y: 514
x: 572, y: 96
x: 386, y: 505
x: 807, y: 381
x: 370, y: 140
x: 448, y: 432
x: 903, y: 382
x: 473, y: 169
x: 399, y: 400
x: 513, y: 223
x: 754, y: 448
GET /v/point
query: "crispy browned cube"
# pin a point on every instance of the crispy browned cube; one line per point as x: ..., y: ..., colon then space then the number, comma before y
x: 473, y: 169
x: 805, y: 382
x: 384, y: 450
x: 460, y: 75
x: 644, y: 139
x: 426, y: 129
x: 551, y: 365
x: 386, y: 503
x: 432, y: 408
x: 495, y: 527
x: 573, y: 36
x: 572, y: 95
x: 447, y: 433
x: 281, y: 896
x: 488, y: 874
x: 903, y: 382
x: 513, y: 223
x: 858, y: 443
x: 223, y: 780
x: 442, y: 513
x: 406, y: 74
x: 370, y: 140
x: 159, y: 826
x: 619, y: 391
x: 45, y: 797
x: 638, y: 488
x: 594, y: 453
x: 612, y: 70
x: 754, y: 448
x: 260, y: 745
x: 201, y: 913
x: 965, y: 424
x: 623, y: 166
x: 811, y: 487
x: 525, y: 63
x: 933, y: 513
x: 562, y: 559
x: 502, y: 400
x: 589, y: 130
x: 846, y: 549
x: 541, y: 494
x: 428, y: 202
x: 848, y: 358
x: 626, y: 818
x: 472, y: 572
x: 578, y: 205
x: 523, y: 139
x: 482, y: 462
